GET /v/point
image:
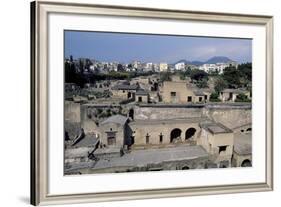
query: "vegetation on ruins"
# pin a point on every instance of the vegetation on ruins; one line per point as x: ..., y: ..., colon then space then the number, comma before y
x: 79, y: 73
x: 220, y: 84
x: 242, y: 98
x: 214, y: 97
x: 76, y: 74
x: 240, y: 77
x: 200, y: 78
x: 165, y: 76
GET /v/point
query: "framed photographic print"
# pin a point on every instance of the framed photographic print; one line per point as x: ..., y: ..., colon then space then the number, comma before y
x: 134, y: 103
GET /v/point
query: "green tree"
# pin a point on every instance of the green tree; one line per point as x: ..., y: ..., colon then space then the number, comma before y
x: 81, y: 66
x: 242, y: 98
x: 246, y: 70
x: 165, y: 76
x: 202, y: 83
x: 214, y: 97
x: 232, y: 76
x: 70, y: 73
x: 120, y: 67
x: 220, y: 84
x: 188, y: 71
x: 197, y: 75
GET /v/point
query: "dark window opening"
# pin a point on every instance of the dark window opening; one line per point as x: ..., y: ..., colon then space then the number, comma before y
x: 131, y: 114
x: 161, y: 138
x: 129, y: 94
x: 200, y: 99
x: 222, y: 149
x: 189, y: 98
x: 139, y: 99
x: 173, y: 93
x: 132, y: 140
x: 206, y: 97
x: 147, y: 138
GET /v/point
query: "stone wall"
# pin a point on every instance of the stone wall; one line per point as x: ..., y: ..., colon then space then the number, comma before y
x: 196, y: 163
x: 167, y: 112
x: 153, y: 130
x: 72, y: 120
x: 71, y: 111
x: 231, y: 116
x: 118, y: 129
x: 87, y: 123
x: 180, y: 90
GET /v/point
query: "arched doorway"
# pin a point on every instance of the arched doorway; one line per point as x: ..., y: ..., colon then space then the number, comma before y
x: 190, y: 133
x: 175, y: 135
x: 246, y: 163
x: 185, y: 168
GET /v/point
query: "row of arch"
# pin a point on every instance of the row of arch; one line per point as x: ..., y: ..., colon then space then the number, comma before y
x: 177, y: 133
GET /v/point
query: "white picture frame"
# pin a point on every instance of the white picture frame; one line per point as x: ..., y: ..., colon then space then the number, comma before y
x: 43, y: 148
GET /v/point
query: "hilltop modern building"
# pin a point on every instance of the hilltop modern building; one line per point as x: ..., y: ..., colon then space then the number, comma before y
x: 163, y: 67
x: 217, y: 67
x: 180, y: 66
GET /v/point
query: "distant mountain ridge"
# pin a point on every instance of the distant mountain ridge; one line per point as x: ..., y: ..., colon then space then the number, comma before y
x: 213, y: 60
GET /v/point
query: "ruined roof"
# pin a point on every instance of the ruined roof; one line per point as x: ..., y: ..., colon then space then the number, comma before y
x: 198, y: 93
x: 231, y: 90
x: 147, y: 156
x: 125, y: 87
x: 243, y: 143
x: 88, y: 141
x: 215, y: 128
x: 142, y: 92
x: 118, y: 119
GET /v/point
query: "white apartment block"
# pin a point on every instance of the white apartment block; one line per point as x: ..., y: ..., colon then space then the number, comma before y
x: 136, y: 64
x: 148, y: 66
x: 217, y: 66
x: 163, y: 67
x: 180, y: 66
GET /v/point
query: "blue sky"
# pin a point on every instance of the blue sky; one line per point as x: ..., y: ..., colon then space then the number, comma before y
x: 124, y: 47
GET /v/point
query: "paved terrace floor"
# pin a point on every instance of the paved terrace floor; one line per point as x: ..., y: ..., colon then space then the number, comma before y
x: 144, y: 157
